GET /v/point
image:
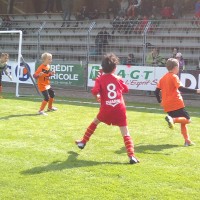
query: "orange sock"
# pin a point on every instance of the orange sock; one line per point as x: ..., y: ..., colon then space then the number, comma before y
x: 129, y: 145
x: 44, y: 103
x: 181, y: 120
x: 184, y: 132
x: 90, y: 130
x: 50, y: 102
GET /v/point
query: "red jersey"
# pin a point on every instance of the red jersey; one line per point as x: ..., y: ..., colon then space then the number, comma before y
x: 171, y: 96
x: 43, y: 81
x: 113, y: 109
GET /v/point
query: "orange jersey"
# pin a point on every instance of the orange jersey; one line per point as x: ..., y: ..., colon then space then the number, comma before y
x: 43, y: 81
x: 171, y: 96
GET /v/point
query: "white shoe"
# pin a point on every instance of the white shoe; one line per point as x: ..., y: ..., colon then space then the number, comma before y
x: 52, y: 109
x: 170, y: 121
x: 42, y: 113
x: 189, y: 143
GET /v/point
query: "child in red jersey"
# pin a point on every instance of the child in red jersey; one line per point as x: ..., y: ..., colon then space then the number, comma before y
x: 43, y: 74
x: 168, y: 94
x: 108, y: 90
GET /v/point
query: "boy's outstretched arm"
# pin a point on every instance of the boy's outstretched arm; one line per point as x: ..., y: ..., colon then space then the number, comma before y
x: 189, y: 90
x: 158, y: 96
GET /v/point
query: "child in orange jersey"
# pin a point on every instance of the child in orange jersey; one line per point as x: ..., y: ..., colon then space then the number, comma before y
x: 168, y: 94
x: 42, y: 75
x: 4, y: 57
x: 108, y: 90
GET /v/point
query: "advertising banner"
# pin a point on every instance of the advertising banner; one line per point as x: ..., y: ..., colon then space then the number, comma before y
x: 68, y: 74
x: 190, y: 78
x: 23, y: 73
x: 144, y: 77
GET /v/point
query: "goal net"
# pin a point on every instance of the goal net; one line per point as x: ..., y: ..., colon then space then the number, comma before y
x: 21, y: 72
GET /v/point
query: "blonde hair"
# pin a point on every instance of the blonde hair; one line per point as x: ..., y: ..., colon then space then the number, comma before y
x: 4, y: 55
x: 172, y: 63
x: 45, y: 56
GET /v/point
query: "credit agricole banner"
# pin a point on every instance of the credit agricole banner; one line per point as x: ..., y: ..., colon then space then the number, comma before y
x: 67, y: 74
x: 144, y: 77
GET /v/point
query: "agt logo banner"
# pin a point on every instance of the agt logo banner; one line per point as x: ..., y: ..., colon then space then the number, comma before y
x: 145, y: 78
x: 23, y: 73
x: 136, y: 77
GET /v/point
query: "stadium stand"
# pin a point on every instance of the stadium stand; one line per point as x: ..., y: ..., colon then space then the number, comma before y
x: 75, y: 42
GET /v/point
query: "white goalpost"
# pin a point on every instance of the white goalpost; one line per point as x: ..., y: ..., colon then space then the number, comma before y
x: 11, y: 43
x: 19, y: 53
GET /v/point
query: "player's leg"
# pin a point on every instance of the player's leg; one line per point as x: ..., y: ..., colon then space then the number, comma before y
x: 177, y: 116
x: 128, y: 144
x: 51, y: 100
x: 184, y: 132
x: 88, y: 133
x: 44, y: 102
x: 182, y: 117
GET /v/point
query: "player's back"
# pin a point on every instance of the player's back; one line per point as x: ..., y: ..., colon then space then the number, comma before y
x: 110, y: 87
x: 171, y: 96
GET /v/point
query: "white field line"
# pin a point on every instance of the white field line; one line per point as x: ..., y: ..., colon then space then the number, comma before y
x: 95, y: 103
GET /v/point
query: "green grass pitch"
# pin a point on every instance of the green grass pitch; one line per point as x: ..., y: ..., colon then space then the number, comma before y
x: 40, y: 161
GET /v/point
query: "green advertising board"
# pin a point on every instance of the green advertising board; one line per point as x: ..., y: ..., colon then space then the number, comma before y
x: 67, y: 74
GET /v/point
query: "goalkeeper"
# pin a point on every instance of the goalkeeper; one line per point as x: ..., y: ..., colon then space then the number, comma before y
x: 4, y: 68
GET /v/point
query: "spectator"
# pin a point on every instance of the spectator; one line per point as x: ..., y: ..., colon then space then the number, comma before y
x: 197, y: 9
x: 167, y: 12
x: 123, y: 8
x: 67, y: 7
x: 5, y: 23
x: 131, y: 10
x: 156, y: 7
x: 10, y: 6
x: 94, y: 14
x: 82, y: 14
x: 178, y: 9
x: 50, y: 6
x: 130, y: 60
x: 179, y: 57
x: 154, y: 58
x: 141, y: 25
x: 101, y: 41
x: 113, y: 7
x: 174, y: 52
x: 138, y: 3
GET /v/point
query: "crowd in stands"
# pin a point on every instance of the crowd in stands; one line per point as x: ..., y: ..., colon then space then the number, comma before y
x: 165, y: 9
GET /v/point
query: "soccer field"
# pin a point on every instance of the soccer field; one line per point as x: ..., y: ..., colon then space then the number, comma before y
x: 39, y: 159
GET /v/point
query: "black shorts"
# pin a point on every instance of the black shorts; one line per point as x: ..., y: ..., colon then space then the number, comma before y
x: 48, y: 93
x: 179, y: 113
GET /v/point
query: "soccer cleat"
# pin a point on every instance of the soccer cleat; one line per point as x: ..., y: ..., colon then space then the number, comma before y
x: 42, y: 113
x: 52, y: 109
x: 80, y: 144
x: 133, y: 160
x: 169, y: 121
x: 189, y: 143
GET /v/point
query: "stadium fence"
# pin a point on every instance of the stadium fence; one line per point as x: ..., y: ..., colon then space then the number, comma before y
x: 77, y: 42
